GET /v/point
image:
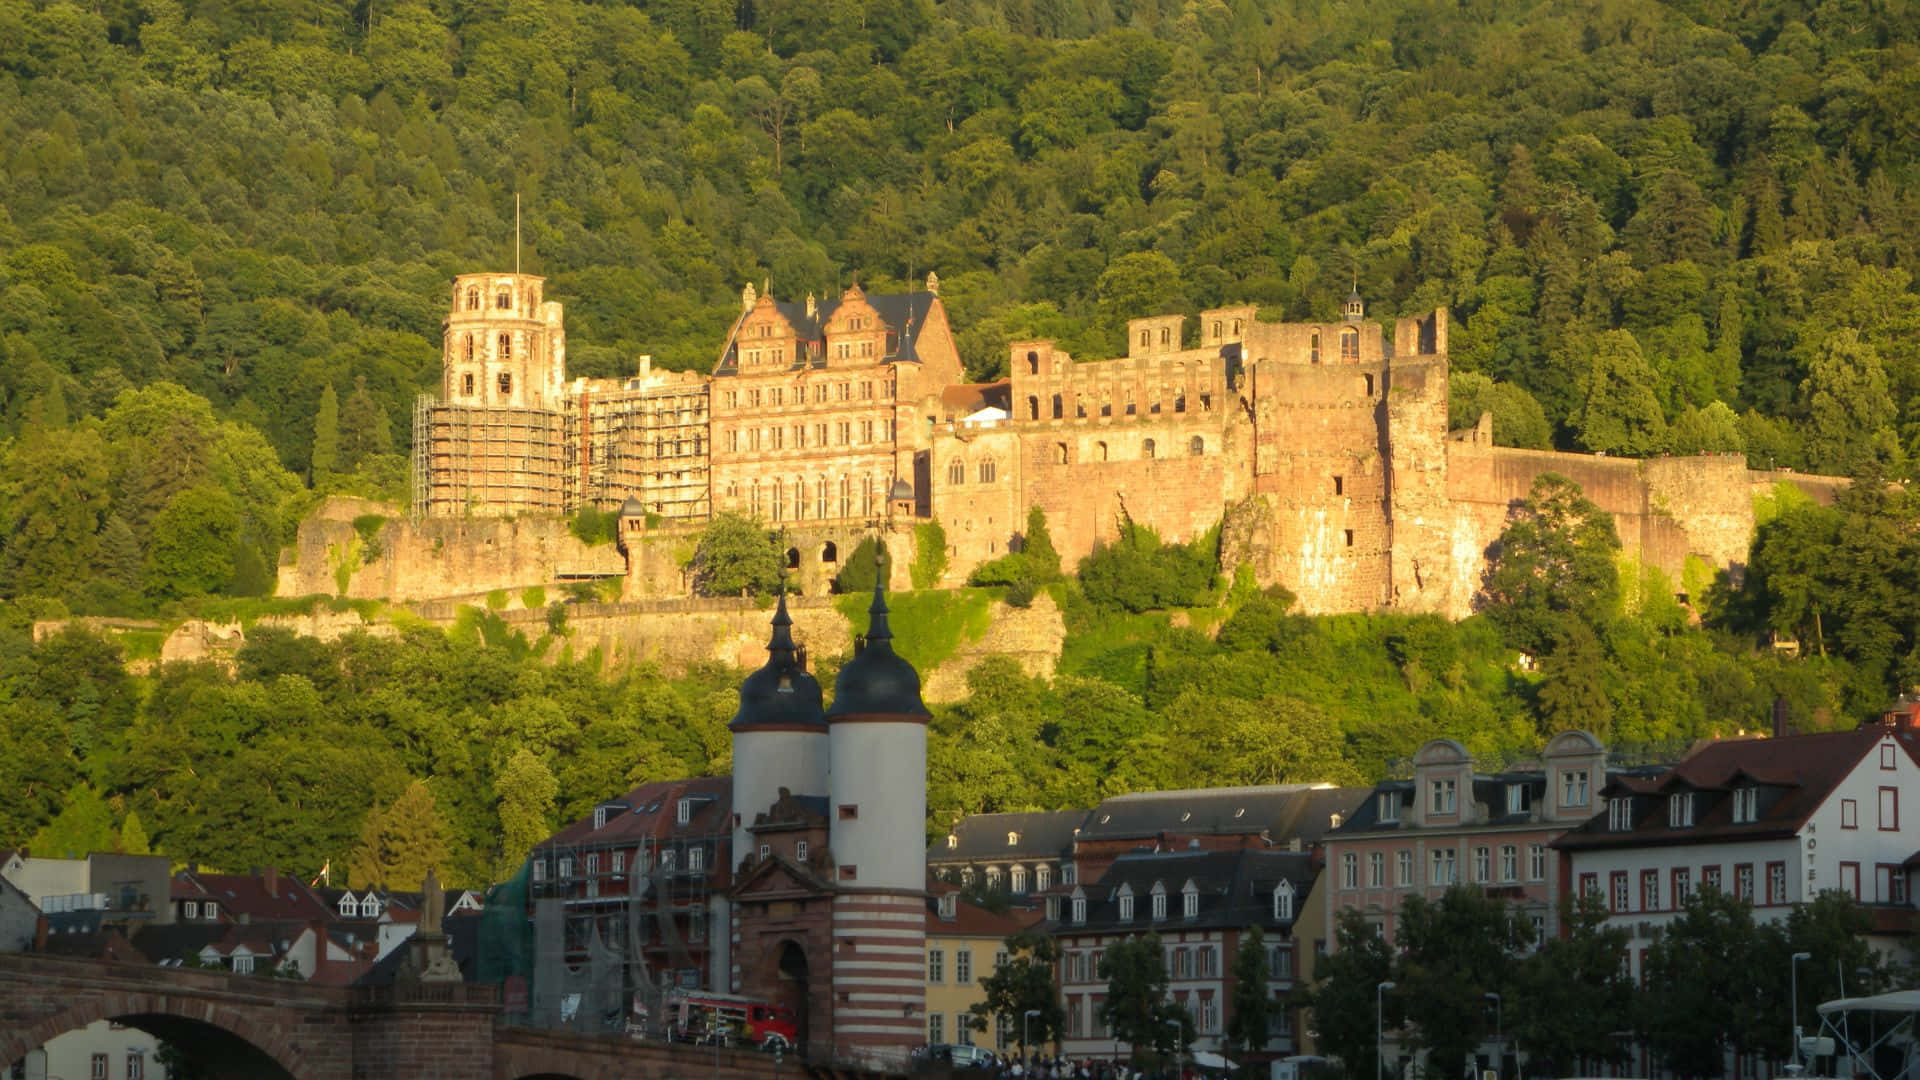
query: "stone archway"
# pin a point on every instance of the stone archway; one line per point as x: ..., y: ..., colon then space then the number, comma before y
x: 793, y: 987
x: 230, y: 1040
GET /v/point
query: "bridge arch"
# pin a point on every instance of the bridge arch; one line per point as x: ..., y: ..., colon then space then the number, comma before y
x: 251, y: 1047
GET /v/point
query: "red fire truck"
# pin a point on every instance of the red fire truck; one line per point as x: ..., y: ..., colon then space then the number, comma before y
x: 704, y: 1017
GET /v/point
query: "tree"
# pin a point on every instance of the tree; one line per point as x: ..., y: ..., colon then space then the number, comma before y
x: 1453, y: 952
x: 1554, y: 560
x: 1253, y: 1005
x: 190, y: 549
x: 1037, y: 546
x: 868, y: 563
x: 737, y: 556
x: 1343, y: 999
x: 326, y: 438
x: 1024, y: 984
x: 525, y: 790
x: 1571, y: 997
x: 83, y: 825
x: 1138, y: 1010
x: 400, y: 843
x: 1848, y: 406
x: 1139, y: 573
x: 133, y: 836
x: 1699, y: 996
x: 1619, y: 412
x: 54, y: 492
x: 365, y: 429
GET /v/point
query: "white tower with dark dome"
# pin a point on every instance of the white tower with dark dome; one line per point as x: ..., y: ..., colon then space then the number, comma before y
x: 779, y: 733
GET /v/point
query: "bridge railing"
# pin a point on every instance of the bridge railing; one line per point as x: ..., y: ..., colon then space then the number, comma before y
x: 435, y: 993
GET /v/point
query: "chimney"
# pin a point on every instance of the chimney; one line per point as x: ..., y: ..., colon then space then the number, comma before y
x: 273, y: 882
x: 1780, y: 717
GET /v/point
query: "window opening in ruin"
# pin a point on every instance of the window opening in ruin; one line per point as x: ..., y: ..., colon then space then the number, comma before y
x: 466, y: 384
x: 1313, y: 348
x: 793, y: 558
x: 1349, y: 535
x: 1146, y: 449
x: 1080, y: 410
x: 1100, y: 451
x: 1369, y: 379
x: 1216, y: 329
x: 1165, y: 337
x: 956, y: 471
x: 1339, y: 485
x: 1033, y: 408
x: 506, y: 346
x: 1130, y: 409
x: 473, y: 299
x: 1197, y: 447
x: 1058, y: 410
x: 1180, y: 402
x: 829, y: 553
x: 506, y: 383
x: 1206, y: 402
x: 1236, y: 328
x: 503, y: 299
x: 469, y: 346
x: 1349, y: 344
x: 1033, y: 363
x: 1106, y: 406
x: 1060, y: 453
x: 987, y: 472
x: 1146, y: 338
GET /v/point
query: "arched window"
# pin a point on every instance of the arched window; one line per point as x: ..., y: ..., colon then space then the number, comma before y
x: 1060, y: 453
x: 1349, y: 344
x: 1216, y: 329
x: 1197, y: 447
x: 793, y: 558
x: 473, y: 298
x: 1146, y: 338
x: 1033, y: 408
x: 987, y: 471
x: 846, y: 496
x: 1100, y: 451
x: 1058, y: 409
x: 820, y: 497
x: 1146, y: 449
x: 866, y: 496
x: 829, y: 553
x: 1164, y: 335
x: 799, y: 498
x: 468, y: 347
x: 503, y: 299
x: 779, y: 501
x: 1313, y: 348
x: 1017, y: 880
x: 956, y: 471
x: 506, y: 346
x: 1033, y: 363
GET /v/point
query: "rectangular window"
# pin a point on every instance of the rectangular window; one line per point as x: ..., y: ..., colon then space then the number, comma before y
x: 1883, y: 878
x: 799, y: 851
x: 99, y: 1067
x: 936, y: 965
x: 684, y: 812
x: 1444, y: 870
x: 1619, y: 814
x: 1777, y: 883
x: 936, y: 1027
x: 1889, y: 809
x: 963, y: 966
x: 999, y: 959
x: 1849, y: 879
x: 1509, y: 863
x: 1536, y: 862
x: 1680, y: 811
x: 1710, y: 878
x: 593, y: 865
x: 1403, y: 868
x: 1682, y: 886
x: 193, y: 910
x: 1389, y: 803
x: 243, y: 965
x: 1573, y: 787
x: 1482, y: 864
x: 211, y: 910
x: 136, y: 1065
x: 619, y: 863
x: 1746, y: 805
x: 696, y: 858
x: 1649, y: 890
x: 1743, y: 882
x: 1516, y: 798
x: 1349, y: 871
x: 1441, y: 797
x: 1622, y: 896
x: 849, y: 811
x: 1849, y: 813
x: 1376, y: 870
x: 1886, y: 756
x: 1280, y: 962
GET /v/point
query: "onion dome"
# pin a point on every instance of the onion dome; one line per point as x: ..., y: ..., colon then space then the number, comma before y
x: 633, y: 507
x: 781, y: 694
x: 877, y: 681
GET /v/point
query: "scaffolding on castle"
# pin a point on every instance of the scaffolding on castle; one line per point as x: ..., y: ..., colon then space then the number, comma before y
x: 487, y: 461
x: 643, y: 442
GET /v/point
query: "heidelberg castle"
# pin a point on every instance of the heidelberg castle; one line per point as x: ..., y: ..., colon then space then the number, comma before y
x: 1321, y: 449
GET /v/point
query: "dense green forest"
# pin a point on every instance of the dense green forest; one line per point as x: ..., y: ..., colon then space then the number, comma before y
x: 228, y: 229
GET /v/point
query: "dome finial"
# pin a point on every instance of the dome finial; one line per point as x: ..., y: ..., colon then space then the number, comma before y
x: 782, y: 640
x: 877, y: 629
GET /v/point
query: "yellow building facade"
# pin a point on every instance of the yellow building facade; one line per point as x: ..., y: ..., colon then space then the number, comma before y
x: 965, y: 944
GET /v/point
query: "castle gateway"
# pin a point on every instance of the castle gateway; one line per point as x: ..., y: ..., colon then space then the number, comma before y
x: 1321, y: 448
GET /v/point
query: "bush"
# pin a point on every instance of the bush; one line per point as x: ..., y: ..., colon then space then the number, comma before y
x: 595, y: 527
x: 868, y: 562
x: 736, y: 556
x: 1138, y: 573
x: 930, y: 554
x: 533, y: 597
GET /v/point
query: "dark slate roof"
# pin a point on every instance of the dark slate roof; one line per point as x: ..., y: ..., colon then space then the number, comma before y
x: 782, y: 693
x: 905, y: 314
x: 1040, y: 834
x: 179, y: 941
x: 1489, y: 790
x: 1283, y: 812
x: 463, y: 940
x: 652, y: 810
x: 1235, y: 887
x: 877, y: 681
x: 901, y: 489
x: 1795, y: 774
x: 633, y: 507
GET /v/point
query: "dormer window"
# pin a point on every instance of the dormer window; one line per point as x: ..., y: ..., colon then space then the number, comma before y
x: 349, y: 907
x: 370, y: 907
x: 953, y: 842
x: 1573, y: 787
x: 1126, y: 905
x: 539, y: 869
x: 1283, y: 901
x: 1680, y: 811
x: 1042, y: 877
x: 1619, y: 814
x: 1517, y: 801
x: 1440, y: 796
x: 1389, y: 812
x: 1159, y: 902
x: 950, y: 906
x: 683, y: 813
x: 1013, y: 838
x: 1079, y: 910
x: 1746, y: 805
x: 800, y: 851
x: 599, y: 817
x: 1190, y: 901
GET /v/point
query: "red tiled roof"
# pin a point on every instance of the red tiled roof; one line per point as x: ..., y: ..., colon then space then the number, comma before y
x: 652, y: 811
x: 972, y: 920
x: 250, y: 895
x: 1806, y: 767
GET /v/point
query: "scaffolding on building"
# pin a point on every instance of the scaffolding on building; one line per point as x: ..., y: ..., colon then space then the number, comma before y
x: 487, y: 461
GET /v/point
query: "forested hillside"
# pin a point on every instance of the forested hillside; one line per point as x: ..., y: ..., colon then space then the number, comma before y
x: 227, y: 231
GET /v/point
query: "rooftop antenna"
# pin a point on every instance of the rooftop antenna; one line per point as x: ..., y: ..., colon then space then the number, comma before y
x: 516, y: 234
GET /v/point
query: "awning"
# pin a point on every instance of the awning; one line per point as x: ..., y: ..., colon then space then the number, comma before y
x: 1895, y: 1001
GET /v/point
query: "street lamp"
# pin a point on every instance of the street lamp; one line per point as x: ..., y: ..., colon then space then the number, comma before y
x: 1499, y: 1044
x: 1380, y: 1028
x: 1793, y: 982
x: 1179, y: 1060
x: 1029, y: 1015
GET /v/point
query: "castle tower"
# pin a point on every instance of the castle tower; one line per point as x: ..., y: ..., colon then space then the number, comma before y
x: 878, y: 808
x: 503, y: 346
x: 1354, y: 309
x: 779, y: 733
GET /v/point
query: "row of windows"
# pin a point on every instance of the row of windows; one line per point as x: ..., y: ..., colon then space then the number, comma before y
x: 1083, y: 1015
x: 1682, y: 810
x: 1149, y: 450
x: 844, y: 433
x: 1443, y: 867
x: 1443, y: 793
x: 502, y: 298
x: 194, y: 909
x: 1181, y: 961
x: 757, y: 397
x: 1105, y: 406
x: 962, y: 965
x: 1680, y: 885
x: 1016, y: 878
x: 783, y: 501
x: 616, y: 863
x: 1349, y: 345
x: 100, y: 1063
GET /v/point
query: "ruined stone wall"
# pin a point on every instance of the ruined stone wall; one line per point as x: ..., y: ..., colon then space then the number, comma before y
x: 1419, y: 512
x: 658, y: 559
x: 433, y: 557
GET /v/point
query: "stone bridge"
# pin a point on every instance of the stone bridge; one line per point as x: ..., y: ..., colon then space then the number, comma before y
x: 248, y: 1026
